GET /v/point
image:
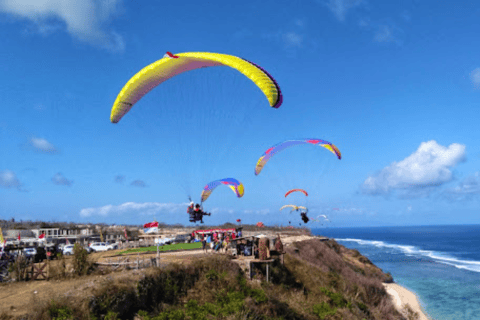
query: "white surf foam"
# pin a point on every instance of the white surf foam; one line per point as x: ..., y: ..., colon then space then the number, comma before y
x: 409, y: 250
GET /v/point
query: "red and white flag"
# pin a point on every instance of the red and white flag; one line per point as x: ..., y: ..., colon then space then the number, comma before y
x: 150, y: 227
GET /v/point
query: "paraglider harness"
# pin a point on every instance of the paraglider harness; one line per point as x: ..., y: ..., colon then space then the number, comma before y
x: 304, y: 217
x: 196, y: 213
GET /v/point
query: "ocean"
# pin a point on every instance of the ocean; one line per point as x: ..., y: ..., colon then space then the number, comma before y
x: 441, y: 264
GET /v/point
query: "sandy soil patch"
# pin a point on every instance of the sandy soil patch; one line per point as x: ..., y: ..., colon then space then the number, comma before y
x: 291, y: 239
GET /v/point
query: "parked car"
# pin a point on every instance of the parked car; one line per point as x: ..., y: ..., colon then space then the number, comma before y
x: 163, y: 241
x: 112, y: 246
x: 68, y: 249
x: 182, y: 238
x: 99, y: 246
x: 29, y: 252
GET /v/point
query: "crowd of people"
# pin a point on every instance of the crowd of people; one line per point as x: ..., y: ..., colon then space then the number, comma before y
x: 217, y: 241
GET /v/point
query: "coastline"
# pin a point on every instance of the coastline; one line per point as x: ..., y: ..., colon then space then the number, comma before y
x: 401, y: 296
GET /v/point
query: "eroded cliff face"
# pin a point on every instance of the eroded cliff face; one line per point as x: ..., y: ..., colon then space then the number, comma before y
x: 345, y: 283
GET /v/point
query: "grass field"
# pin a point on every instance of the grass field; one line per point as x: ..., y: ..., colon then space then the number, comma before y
x: 168, y: 247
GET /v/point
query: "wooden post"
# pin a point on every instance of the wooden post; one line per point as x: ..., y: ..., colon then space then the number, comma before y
x: 158, y: 254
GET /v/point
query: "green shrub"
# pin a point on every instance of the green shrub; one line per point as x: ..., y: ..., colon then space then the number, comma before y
x: 111, y: 316
x: 57, y: 312
x: 176, y: 314
x: 258, y: 295
x: 211, y: 275
x: 143, y: 315
x: 121, y: 300
x: 19, y: 268
x: 81, y: 265
x: 324, y: 309
x: 337, y: 299
x: 166, y: 286
x: 362, y: 306
x: 194, y: 311
x: 334, y: 279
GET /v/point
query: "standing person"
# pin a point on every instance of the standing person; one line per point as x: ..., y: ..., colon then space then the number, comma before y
x: 228, y: 239
x: 204, y: 244
x: 212, y: 245
x: 218, y: 245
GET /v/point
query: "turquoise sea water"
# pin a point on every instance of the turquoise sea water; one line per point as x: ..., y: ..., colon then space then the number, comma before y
x: 441, y: 264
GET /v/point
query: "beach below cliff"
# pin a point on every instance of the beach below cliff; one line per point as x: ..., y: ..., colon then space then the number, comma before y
x: 402, y: 297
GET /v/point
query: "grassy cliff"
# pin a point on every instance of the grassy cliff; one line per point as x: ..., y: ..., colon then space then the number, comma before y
x: 318, y: 280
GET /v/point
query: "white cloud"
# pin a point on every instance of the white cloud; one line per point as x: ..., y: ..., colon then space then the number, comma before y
x: 300, y: 22
x: 289, y: 39
x: 85, y: 20
x: 258, y: 211
x: 60, y: 180
x: 8, y: 179
x: 475, y: 77
x: 216, y: 211
x: 292, y: 39
x: 466, y: 189
x: 364, y: 22
x: 384, y: 34
x: 429, y: 166
x: 340, y: 7
x: 146, y: 208
x: 349, y: 210
x: 42, y: 145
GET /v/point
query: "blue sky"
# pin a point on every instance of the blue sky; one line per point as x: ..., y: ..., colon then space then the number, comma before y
x: 395, y: 86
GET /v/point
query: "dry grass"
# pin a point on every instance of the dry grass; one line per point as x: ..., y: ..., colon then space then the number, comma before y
x: 342, y: 271
x: 319, y: 280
